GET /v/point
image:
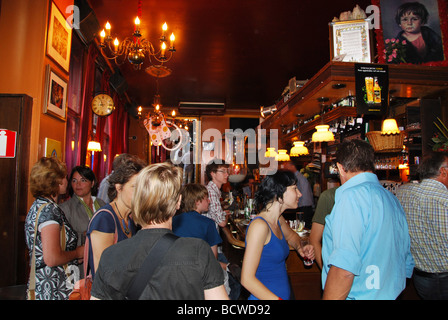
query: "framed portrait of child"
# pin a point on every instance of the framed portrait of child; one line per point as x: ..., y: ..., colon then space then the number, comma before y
x: 412, y: 32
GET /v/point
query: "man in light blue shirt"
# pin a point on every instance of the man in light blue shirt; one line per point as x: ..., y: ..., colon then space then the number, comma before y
x: 366, y: 245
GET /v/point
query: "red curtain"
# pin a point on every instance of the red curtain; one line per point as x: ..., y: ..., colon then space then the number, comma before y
x: 119, y: 129
x: 87, y: 96
x: 117, y: 121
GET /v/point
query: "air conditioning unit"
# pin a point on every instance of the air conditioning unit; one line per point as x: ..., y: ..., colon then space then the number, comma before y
x: 201, y: 108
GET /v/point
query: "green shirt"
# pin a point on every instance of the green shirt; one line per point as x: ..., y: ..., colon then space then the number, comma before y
x: 324, y: 205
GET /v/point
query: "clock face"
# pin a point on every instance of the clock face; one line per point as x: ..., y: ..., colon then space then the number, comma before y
x: 103, y: 105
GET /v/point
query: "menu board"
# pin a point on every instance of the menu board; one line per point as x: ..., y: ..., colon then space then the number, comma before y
x: 372, y: 88
x: 350, y: 41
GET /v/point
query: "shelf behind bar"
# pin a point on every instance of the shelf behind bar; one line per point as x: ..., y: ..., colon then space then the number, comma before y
x: 409, y: 81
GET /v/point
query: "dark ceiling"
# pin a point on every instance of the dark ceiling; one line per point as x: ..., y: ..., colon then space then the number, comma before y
x: 241, y: 52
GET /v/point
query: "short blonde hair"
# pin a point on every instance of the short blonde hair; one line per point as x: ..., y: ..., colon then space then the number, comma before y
x: 157, y: 193
x: 45, y: 177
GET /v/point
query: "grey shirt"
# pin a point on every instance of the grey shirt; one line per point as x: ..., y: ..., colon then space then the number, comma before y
x: 188, y: 269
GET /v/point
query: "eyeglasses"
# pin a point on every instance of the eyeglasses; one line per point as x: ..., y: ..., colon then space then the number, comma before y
x: 223, y: 171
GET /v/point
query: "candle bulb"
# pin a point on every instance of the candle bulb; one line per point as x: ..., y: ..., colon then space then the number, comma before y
x: 116, y: 44
x: 102, y: 35
x: 172, y: 40
x: 164, y: 28
x: 108, y: 27
x: 163, y: 49
x: 137, y: 24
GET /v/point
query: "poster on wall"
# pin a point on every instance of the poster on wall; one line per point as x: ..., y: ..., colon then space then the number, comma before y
x: 372, y: 88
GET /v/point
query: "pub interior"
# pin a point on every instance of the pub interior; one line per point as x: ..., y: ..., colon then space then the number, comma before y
x: 255, y: 83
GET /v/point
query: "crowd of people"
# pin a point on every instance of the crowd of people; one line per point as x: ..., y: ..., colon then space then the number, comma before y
x: 365, y: 240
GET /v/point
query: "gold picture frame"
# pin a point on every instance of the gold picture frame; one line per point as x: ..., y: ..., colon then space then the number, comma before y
x: 59, y: 39
x: 55, y: 95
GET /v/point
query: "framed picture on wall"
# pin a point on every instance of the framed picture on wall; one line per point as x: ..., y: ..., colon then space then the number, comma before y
x: 59, y: 38
x: 350, y: 41
x: 53, y: 148
x: 412, y: 32
x: 55, y: 95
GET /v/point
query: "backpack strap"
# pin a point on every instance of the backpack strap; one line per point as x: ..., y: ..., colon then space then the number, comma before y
x: 150, y: 264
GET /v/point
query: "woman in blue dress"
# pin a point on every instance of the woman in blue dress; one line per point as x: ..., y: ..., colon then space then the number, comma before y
x: 113, y: 222
x: 268, y: 239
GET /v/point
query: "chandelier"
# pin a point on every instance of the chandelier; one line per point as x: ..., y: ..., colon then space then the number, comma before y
x: 135, y: 48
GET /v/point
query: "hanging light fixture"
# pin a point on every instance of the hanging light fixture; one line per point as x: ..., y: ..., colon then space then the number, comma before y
x: 135, y: 49
x: 298, y: 149
x: 322, y: 134
x: 390, y: 126
x: 270, y: 153
x: 282, y: 155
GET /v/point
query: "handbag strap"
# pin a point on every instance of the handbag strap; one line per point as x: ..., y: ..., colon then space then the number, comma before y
x: 87, y: 243
x: 150, y: 264
x: 32, y: 281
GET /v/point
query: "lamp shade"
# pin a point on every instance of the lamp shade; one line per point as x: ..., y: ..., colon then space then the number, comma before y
x: 282, y: 155
x: 298, y: 149
x: 389, y: 127
x: 94, y: 146
x: 270, y: 153
x: 322, y: 134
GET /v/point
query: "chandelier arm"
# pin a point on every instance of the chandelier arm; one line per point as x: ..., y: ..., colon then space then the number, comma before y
x: 147, y: 47
x: 166, y: 59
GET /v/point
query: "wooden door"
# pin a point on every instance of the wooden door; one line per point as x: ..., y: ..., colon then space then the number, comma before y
x: 15, y: 115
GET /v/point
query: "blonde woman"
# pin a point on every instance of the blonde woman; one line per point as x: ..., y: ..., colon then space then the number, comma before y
x: 188, y: 271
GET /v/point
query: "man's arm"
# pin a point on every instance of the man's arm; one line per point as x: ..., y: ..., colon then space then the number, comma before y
x: 338, y: 284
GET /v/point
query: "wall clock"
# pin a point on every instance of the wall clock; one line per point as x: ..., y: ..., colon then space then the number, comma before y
x: 103, y: 104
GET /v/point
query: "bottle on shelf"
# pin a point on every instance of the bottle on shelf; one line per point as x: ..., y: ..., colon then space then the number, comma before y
x: 376, y: 91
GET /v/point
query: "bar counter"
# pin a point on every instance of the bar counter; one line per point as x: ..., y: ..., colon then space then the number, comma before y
x: 305, y: 281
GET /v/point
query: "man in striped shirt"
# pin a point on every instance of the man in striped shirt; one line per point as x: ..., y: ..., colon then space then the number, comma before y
x: 426, y: 208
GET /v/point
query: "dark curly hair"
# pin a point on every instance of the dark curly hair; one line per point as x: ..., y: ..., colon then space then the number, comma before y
x: 123, y: 173
x: 273, y: 187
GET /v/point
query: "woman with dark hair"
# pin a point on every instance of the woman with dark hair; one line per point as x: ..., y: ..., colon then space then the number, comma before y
x: 50, y: 238
x: 268, y: 239
x: 113, y: 223
x: 79, y: 209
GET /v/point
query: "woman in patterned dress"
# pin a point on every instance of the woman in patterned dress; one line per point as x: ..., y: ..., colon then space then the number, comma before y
x: 48, y: 179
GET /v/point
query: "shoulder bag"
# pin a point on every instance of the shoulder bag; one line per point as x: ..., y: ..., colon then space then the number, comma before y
x: 82, y: 288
